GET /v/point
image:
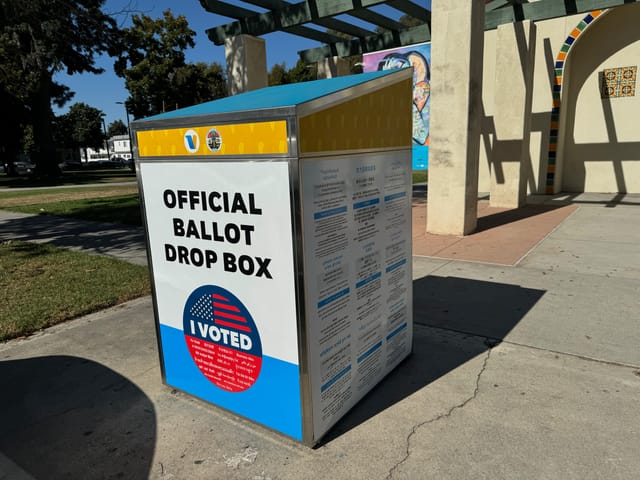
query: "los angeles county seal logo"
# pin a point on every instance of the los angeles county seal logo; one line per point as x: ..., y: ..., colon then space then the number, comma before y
x: 214, y: 140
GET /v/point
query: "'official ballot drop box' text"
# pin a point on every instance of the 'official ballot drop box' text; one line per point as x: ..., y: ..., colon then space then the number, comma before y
x: 279, y: 233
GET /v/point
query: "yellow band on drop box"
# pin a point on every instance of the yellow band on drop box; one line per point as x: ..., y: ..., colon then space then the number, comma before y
x: 260, y: 138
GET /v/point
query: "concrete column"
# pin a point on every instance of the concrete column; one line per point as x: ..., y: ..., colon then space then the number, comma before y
x: 457, y: 46
x: 515, y: 60
x: 246, y: 58
x: 332, y: 67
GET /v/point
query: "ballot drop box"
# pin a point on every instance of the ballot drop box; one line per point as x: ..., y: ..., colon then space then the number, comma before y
x: 279, y: 231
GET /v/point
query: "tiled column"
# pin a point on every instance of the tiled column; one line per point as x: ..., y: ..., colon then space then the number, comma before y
x: 515, y: 57
x: 457, y: 46
x: 332, y: 67
x: 246, y: 58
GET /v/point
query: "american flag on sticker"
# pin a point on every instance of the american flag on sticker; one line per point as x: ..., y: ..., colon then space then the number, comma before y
x: 221, y: 311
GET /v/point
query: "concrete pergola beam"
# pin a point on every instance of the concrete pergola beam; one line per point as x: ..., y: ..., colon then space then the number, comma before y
x: 291, y: 15
x: 517, y: 10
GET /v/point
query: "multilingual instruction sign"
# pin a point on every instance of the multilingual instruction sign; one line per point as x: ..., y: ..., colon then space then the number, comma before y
x: 222, y: 263
x: 357, y: 257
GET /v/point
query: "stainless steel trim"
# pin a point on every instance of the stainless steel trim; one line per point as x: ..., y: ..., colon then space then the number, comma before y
x: 154, y: 295
x: 298, y: 258
x: 218, y: 158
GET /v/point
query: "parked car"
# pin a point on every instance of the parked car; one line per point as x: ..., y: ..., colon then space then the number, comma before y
x: 70, y: 165
x: 119, y: 161
x: 21, y: 167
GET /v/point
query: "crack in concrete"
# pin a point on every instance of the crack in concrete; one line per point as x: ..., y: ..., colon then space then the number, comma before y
x: 490, y: 343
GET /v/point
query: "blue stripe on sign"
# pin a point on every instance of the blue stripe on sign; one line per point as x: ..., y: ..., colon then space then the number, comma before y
x: 396, y: 331
x: 276, y: 390
x: 332, y: 298
x: 369, y: 352
x: 329, y: 213
x: 366, y: 203
x: 395, y: 196
x: 396, y: 265
x: 191, y: 143
x: 335, y: 379
x: 362, y: 283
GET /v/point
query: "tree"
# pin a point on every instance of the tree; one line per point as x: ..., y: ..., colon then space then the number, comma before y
x: 278, y: 75
x: 303, y: 72
x: 198, y: 82
x: 13, y: 120
x: 116, y: 128
x: 155, y: 71
x: 81, y: 128
x: 39, y: 38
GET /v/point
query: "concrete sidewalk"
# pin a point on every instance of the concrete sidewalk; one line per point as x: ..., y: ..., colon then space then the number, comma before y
x: 120, y: 241
x: 528, y: 371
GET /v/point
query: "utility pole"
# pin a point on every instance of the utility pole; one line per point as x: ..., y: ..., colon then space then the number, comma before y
x: 106, y: 140
x: 129, y: 134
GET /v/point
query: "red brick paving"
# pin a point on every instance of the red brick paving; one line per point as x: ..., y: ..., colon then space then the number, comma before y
x: 503, y: 236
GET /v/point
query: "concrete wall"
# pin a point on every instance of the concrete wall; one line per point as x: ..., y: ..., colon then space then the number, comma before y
x: 601, y: 135
x: 601, y: 148
x: 551, y: 34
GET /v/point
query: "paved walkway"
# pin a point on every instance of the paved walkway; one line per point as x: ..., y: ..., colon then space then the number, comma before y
x: 522, y: 369
x: 121, y: 241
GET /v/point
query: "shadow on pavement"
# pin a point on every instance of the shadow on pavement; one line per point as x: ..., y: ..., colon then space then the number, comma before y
x: 610, y: 200
x: 493, y: 220
x: 68, y: 417
x: 92, y: 237
x: 466, y: 318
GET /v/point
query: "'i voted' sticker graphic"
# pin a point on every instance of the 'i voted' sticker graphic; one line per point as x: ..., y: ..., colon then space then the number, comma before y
x: 222, y: 338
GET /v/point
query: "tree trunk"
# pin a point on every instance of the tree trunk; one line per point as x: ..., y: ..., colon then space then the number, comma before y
x: 44, y: 154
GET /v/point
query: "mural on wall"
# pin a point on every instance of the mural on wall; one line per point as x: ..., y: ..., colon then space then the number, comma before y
x: 419, y: 57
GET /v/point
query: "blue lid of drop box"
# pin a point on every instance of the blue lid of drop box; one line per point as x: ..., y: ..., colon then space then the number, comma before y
x: 274, y: 97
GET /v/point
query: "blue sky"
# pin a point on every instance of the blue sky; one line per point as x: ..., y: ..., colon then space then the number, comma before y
x: 104, y: 90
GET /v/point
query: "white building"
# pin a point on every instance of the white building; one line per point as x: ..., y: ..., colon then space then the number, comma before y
x: 119, y: 147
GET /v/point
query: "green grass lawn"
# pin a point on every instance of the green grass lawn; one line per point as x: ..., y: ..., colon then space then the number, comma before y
x: 74, y: 177
x: 420, y: 176
x: 120, y: 209
x: 43, y: 285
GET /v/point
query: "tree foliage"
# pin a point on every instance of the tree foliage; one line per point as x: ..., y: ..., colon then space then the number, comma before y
x: 116, y: 127
x: 279, y: 75
x: 156, y: 73
x: 39, y: 38
x: 80, y: 128
x: 302, y: 72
